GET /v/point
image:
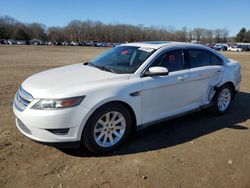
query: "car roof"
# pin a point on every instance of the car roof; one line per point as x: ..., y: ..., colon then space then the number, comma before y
x: 160, y: 44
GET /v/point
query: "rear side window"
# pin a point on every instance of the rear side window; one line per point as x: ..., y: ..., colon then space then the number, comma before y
x: 172, y: 60
x: 198, y: 58
x: 201, y: 58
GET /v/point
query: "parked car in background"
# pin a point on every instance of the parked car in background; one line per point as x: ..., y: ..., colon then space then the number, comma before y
x: 21, y: 42
x: 58, y: 43
x: 98, y: 103
x: 48, y: 43
x: 91, y: 43
x: 104, y: 44
x: 12, y: 42
x: 245, y: 48
x: 229, y: 47
x: 235, y: 49
x: 37, y: 42
x: 74, y: 43
x: 116, y: 44
x: 65, y: 43
x: 220, y: 47
x: 210, y: 45
x: 99, y: 44
x: 3, y: 41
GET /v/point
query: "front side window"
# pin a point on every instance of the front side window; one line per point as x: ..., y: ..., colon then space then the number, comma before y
x: 172, y: 60
x: 123, y: 59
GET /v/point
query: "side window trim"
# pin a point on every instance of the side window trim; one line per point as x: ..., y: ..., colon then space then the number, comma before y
x: 186, y: 58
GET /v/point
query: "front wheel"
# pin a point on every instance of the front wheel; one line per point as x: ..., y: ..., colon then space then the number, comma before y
x: 222, y: 99
x: 107, y: 128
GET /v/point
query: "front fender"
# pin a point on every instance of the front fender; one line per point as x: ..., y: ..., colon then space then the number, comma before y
x: 95, y: 103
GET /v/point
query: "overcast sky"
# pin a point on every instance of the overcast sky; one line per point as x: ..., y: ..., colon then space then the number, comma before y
x: 211, y: 14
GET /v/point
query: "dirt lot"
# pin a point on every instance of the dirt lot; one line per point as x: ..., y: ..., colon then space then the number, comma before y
x: 198, y: 150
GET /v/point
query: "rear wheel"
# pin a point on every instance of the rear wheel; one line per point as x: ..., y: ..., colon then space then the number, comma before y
x: 107, y: 128
x: 222, y: 99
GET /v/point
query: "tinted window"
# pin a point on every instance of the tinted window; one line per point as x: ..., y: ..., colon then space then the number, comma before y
x: 215, y: 60
x: 198, y: 58
x: 172, y: 60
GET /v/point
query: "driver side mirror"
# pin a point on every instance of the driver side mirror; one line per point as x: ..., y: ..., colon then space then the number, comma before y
x: 156, y: 71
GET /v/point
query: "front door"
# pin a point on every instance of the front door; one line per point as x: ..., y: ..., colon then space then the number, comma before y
x: 164, y: 96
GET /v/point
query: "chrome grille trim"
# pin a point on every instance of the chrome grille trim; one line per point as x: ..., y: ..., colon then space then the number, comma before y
x: 25, y: 95
x: 22, y: 99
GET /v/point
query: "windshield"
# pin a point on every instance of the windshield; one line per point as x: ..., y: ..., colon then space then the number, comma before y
x: 122, y: 59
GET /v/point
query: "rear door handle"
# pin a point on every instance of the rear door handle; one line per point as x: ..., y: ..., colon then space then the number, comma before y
x: 182, y: 78
x: 220, y: 70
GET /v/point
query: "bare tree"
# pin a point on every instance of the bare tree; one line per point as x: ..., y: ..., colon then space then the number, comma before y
x: 209, y: 36
x: 38, y: 31
x: 198, y: 32
x: 224, y: 33
x: 56, y: 34
x: 218, y: 35
x: 7, y: 26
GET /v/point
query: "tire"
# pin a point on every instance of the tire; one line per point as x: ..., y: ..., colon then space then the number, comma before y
x: 222, y: 100
x: 102, y: 125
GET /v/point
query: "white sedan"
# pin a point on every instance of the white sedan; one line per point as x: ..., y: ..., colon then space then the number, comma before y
x: 98, y: 103
x: 235, y: 49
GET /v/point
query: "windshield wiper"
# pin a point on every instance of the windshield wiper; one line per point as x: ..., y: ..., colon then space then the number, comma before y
x: 105, y: 68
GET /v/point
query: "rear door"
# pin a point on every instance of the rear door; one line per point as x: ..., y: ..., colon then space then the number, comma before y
x: 206, y: 72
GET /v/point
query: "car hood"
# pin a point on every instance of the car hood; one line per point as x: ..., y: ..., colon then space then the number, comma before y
x: 68, y: 81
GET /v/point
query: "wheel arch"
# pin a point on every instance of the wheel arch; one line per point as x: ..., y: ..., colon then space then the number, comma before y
x: 126, y: 105
x: 231, y: 84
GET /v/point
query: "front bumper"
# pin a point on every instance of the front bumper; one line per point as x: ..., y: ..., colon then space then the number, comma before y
x: 38, y: 124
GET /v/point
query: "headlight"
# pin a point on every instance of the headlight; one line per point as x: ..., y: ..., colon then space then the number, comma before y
x: 48, y: 104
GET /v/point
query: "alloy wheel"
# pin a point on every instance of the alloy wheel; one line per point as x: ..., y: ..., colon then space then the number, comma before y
x: 109, y: 129
x: 224, y: 99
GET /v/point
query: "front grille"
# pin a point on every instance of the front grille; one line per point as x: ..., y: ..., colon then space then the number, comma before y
x: 22, y: 99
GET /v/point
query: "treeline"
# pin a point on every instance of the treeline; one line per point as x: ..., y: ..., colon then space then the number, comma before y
x: 13, y: 29
x: 88, y: 30
x: 243, y: 36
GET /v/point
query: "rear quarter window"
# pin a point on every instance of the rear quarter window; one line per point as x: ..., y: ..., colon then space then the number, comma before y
x: 215, y: 60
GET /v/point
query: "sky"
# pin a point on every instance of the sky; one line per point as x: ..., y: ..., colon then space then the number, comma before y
x: 210, y: 14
